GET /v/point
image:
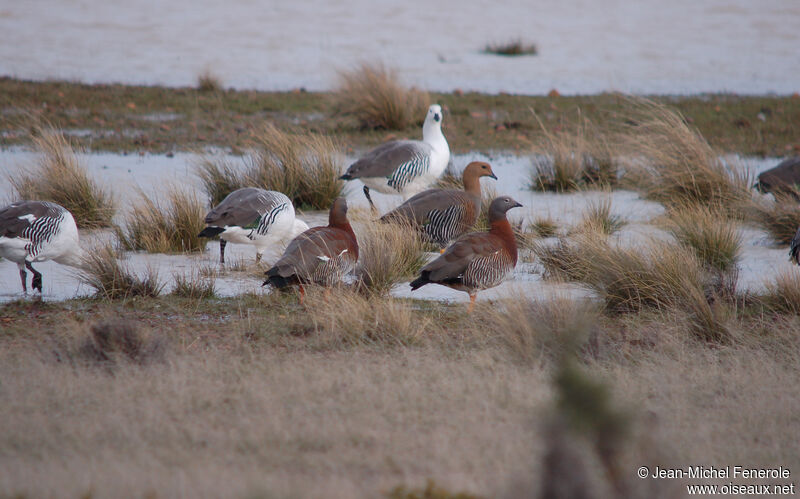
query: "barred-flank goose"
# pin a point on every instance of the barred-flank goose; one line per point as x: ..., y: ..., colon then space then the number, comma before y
x: 322, y: 255
x: 34, y: 231
x: 253, y: 216
x: 442, y: 215
x: 794, y: 249
x: 405, y: 166
x: 784, y: 178
x: 478, y: 260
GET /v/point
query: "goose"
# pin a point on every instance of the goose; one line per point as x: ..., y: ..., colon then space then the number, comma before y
x: 442, y: 215
x: 35, y: 231
x: 404, y: 167
x: 253, y: 216
x: 784, y: 178
x: 477, y: 260
x: 322, y: 255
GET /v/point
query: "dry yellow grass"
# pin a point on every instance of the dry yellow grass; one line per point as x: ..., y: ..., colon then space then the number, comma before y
x: 708, y: 232
x: 168, y: 225
x: 780, y: 217
x: 305, y: 167
x: 679, y: 167
x: 207, y: 81
x: 112, y: 280
x: 197, y: 284
x: 387, y: 254
x: 229, y: 416
x: 659, y: 276
x: 783, y: 293
x: 573, y: 160
x: 373, y: 96
x: 59, y: 176
x: 220, y: 177
x: 597, y: 217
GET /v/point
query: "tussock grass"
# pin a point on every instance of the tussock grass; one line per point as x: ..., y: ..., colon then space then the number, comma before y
x: 516, y: 47
x: 573, y: 160
x: 208, y: 82
x: 659, y: 276
x: 167, y: 225
x: 533, y: 331
x: 708, y: 232
x: 305, y: 167
x: 345, y: 317
x: 598, y: 218
x: 680, y: 167
x: 220, y: 177
x: 783, y: 294
x: 387, y: 254
x: 544, y: 226
x: 780, y: 217
x: 372, y: 95
x: 112, y: 279
x: 60, y: 177
x: 198, y: 284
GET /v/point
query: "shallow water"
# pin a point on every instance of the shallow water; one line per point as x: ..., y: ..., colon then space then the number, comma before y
x: 585, y: 46
x: 123, y: 175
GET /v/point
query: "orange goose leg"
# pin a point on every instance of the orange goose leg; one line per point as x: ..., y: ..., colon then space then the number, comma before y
x: 471, y: 302
x: 302, y: 294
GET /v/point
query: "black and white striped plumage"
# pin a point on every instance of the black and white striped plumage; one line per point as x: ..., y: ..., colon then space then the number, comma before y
x: 34, y: 231
x: 253, y: 216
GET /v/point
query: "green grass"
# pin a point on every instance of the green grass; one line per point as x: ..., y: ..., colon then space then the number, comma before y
x: 474, y: 122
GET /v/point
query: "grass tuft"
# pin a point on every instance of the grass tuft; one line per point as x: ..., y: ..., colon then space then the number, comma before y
x: 680, y: 168
x: 60, y: 177
x: 112, y: 280
x: 708, y: 232
x: 305, y: 167
x: 208, y: 82
x: 573, y: 160
x: 220, y: 177
x: 658, y: 276
x: 779, y: 217
x: 598, y: 217
x: 372, y: 96
x: 512, y: 48
x: 544, y: 226
x: 168, y: 225
x: 388, y: 254
x: 783, y: 294
x: 198, y: 285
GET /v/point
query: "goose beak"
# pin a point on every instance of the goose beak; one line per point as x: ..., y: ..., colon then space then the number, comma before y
x: 518, y: 205
x: 492, y: 175
x: 437, y: 117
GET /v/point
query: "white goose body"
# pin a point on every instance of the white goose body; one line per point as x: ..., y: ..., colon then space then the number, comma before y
x: 35, y: 231
x: 264, y: 219
x: 405, y: 167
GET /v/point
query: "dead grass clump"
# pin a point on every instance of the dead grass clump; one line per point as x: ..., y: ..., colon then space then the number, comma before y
x: 372, y: 96
x: 305, y: 167
x: 511, y: 48
x: 345, y: 317
x: 387, y: 254
x: 780, y: 217
x: 708, y: 232
x: 783, y: 294
x: 573, y: 160
x: 60, y: 177
x: 112, y: 280
x: 219, y: 178
x: 198, y: 284
x: 114, y: 341
x: 535, y: 330
x: 544, y: 227
x: 167, y: 225
x: 680, y: 167
x: 660, y: 276
x: 430, y: 491
x: 208, y: 82
x: 598, y: 217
